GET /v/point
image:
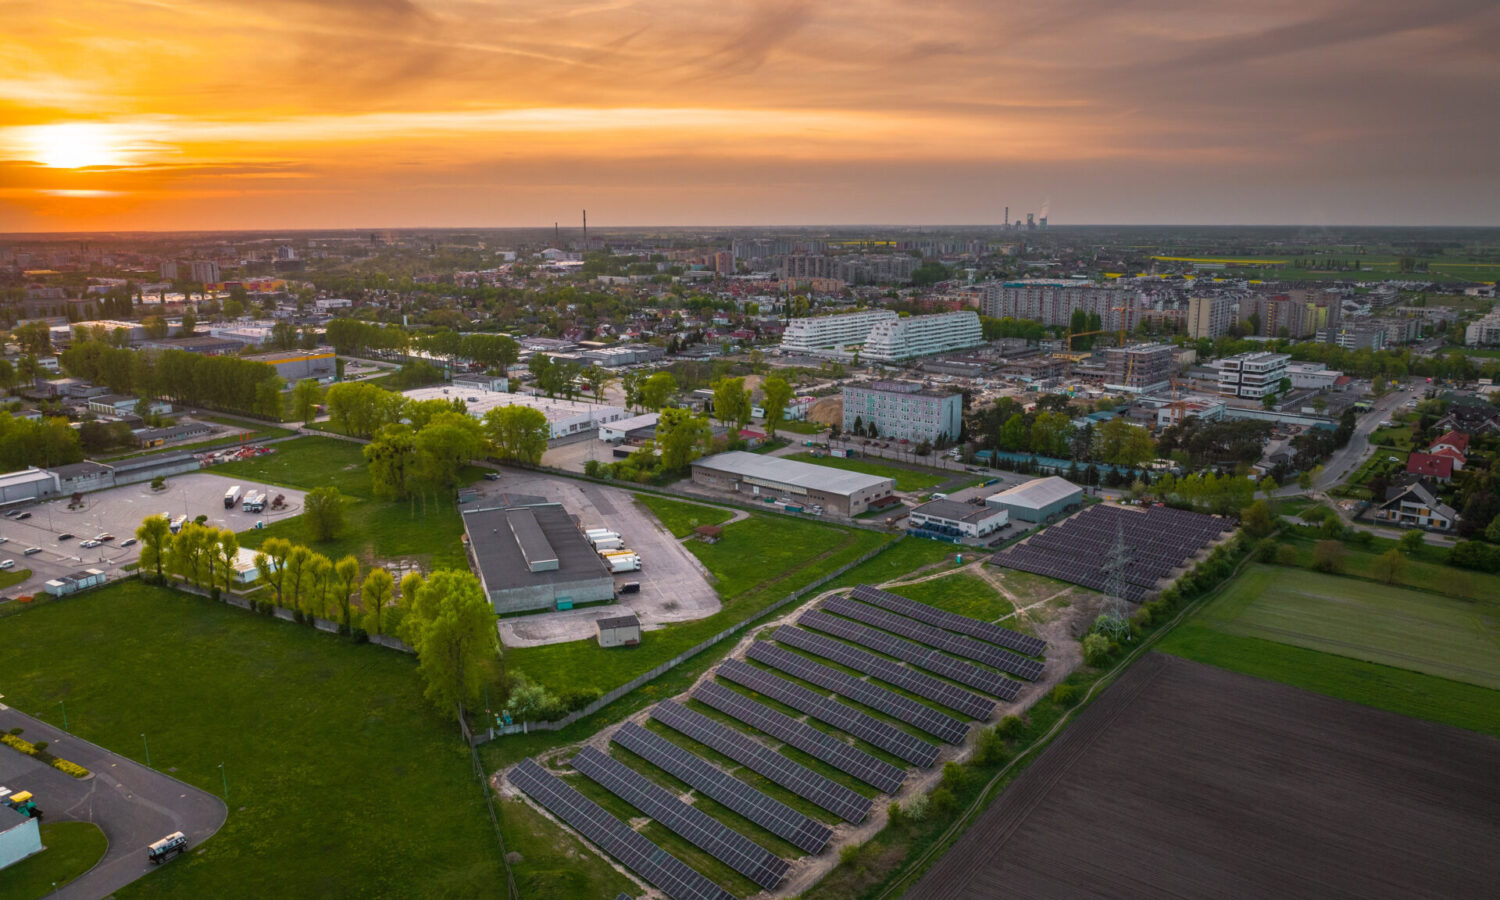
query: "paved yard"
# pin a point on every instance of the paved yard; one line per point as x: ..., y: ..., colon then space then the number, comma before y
x: 674, y: 585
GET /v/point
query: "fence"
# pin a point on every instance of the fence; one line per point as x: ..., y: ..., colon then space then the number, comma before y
x: 679, y: 659
x: 489, y: 802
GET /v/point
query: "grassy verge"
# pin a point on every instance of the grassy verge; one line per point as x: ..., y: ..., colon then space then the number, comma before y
x: 72, y: 849
x: 307, y: 463
x: 962, y: 593
x: 12, y: 577
x: 911, y: 556
x: 681, y: 517
x: 554, y: 863
x: 327, y: 745
x: 799, y: 427
x: 906, y: 479
x: 1423, y: 570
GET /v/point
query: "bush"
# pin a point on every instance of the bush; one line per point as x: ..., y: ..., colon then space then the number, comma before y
x: 1064, y: 695
x: 894, y: 815
x: 942, y: 803
x: 916, y: 808
x: 70, y: 768
x: 991, y: 750
x: 1011, y: 727
x: 1286, y: 555
x: 1097, y: 649
x: 359, y: 636
x: 1328, y: 556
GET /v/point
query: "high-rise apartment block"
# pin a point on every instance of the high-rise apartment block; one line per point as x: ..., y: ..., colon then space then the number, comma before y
x: 893, y: 340
x: 1055, y: 303
x: 1209, y: 317
x: 903, y: 411
x: 822, y: 333
x: 1252, y: 375
x: 1141, y: 367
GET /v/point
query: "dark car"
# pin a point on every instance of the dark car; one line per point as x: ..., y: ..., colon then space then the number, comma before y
x: 491, y: 476
x: 128, y: 542
x: 65, y: 536
x: 23, y: 516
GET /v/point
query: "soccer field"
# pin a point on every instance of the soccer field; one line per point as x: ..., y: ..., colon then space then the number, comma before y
x: 1415, y: 630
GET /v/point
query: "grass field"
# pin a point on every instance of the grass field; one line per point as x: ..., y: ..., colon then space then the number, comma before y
x: 307, y: 463
x: 72, y: 849
x: 680, y: 517
x: 908, y: 557
x: 13, y: 577
x: 906, y: 479
x: 1423, y: 571
x: 962, y: 593
x: 341, y: 777
x: 553, y: 862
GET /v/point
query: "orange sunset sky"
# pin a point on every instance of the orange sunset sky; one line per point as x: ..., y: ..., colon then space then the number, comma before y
x: 192, y: 114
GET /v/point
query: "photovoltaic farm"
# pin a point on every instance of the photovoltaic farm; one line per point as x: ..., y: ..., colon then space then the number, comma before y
x: 764, y: 761
x: 1116, y: 550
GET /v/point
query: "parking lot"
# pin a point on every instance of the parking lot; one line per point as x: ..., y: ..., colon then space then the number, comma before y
x: 118, y: 512
x: 674, y: 585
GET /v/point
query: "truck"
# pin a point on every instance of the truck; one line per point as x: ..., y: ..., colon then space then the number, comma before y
x: 157, y: 853
x: 178, y: 522
x: 628, y: 562
x: 595, y: 537
x: 610, y: 543
x: 255, y: 501
x: 232, y: 497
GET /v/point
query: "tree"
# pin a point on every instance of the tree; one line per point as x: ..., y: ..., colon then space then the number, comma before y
x: 156, y: 327
x: 456, y: 638
x: 411, y: 588
x: 443, y: 448
x: 658, y: 390
x: 305, y: 399
x: 34, y: 338
x: 731, y: 402
x: 518, y: 433
x: 188, y: 549
x: 155, y: 535
x: 374, y: 594
x: 1328, y: 556
x: 323, y: 511
x: 270, y: 564
x: 1256, y: 519
x: 347, y: 571
x: 778, y: 395
x: 1389, y: 565
x: 321, y: 576
x: 681, y: 437
x: 392, y: 460
x: 297, y: 578
x: 1412, y: 541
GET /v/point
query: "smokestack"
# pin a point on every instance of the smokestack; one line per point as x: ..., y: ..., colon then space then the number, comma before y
x: 556, y: 236
x: 1007, y: 217
x: 585, y: 231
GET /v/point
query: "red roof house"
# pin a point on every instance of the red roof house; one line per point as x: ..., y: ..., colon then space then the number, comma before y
x: 1438, y: 468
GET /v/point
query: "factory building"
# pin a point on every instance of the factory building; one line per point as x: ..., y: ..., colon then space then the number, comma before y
x: 1039, y: 500
x: 534, y: 557
x: 296, y: 366
x: 838, y: 491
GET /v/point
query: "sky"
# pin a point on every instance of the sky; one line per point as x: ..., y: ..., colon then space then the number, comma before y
x: 279, y: 114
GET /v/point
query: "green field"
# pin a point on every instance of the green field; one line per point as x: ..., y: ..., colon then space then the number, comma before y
x: 72, y: 849
x: 341, y: 777
x: 908, y: 557
x: 553, y: 861
x: 906, y: 479
x: 1416, y: 653
x: 962, y: 593
x: 1423, y: 570
x: 681, y: 517
x: 307, y: 463
x: 13, y: 577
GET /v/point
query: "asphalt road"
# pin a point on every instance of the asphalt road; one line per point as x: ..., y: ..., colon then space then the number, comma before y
x: 131, y: 804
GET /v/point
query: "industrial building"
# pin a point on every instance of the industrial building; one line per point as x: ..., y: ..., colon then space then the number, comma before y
x: 641, y: 427
x: 622, y: 355
x: 894, y: 340
x: 1252, y: 375
x: 903, y: 411
x: 123, y: 405
x: 564, y: 417
x: 1039, y: 500
x: 534, y: 557
x: 1312, y: 376
x: 1209, y: 317
x: 950, y: 518
x: 1141, y: 368
x: 838, y: 491
x: 619, y: 631
x: 825, y: 333
x: 28, y: 484
x: 63, y: 585
x: 300, y: 365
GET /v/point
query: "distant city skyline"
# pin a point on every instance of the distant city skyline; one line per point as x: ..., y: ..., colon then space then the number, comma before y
x: 308, y: 114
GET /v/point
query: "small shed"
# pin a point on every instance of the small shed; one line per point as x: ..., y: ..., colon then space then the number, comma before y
x: 619, y: 631
x: 709, y: 534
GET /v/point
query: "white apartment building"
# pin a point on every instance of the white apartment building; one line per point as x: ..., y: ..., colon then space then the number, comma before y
x: 1483, y: 332
x: 1252, y: 375
x: 822, y: 333
x: 1209, y: 317
x: 903, y: 411
x: 896, y: 339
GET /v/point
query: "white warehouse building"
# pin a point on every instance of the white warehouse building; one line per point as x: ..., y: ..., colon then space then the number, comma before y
x: 564, y: 417
x: 824, y: 333
x: 898, y: 339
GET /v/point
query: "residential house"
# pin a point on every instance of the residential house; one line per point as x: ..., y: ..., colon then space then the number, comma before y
x: 1454, y: 445
x: 1415, y: 505
x: 1426, y: 465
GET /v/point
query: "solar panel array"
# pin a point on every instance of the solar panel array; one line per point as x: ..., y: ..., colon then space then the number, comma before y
x: 921, y: 684
x: 664, y: 871
x: 851, y: 806
x: 711, y: 781
x: 923, y: 657
x: 826, y: 709
x: 985, y: 631
x: 920, y: 715
x: 819, y: 744
x: 1082, y: 549
x: 701, y: 829
x: 957, y: 644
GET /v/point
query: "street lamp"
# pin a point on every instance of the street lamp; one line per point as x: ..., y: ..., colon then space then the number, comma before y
x: 65, y: 714
x: 225, y: 776
x: 148, y: 749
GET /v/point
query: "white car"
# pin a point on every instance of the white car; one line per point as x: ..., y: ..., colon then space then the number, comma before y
x: 89, y: 545
x: 3, y: 539
x: 8, y: 564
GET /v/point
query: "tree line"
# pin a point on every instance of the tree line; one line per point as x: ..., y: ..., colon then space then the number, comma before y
x: 190, y: 379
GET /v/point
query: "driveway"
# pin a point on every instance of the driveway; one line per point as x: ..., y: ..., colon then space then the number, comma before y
x: 131, y: 804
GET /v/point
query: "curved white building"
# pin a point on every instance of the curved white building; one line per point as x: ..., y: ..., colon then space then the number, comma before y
x: 832, y: 332
x: 896, y: 339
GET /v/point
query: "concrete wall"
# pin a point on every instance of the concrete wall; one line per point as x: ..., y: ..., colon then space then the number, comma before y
x: 18, y: 842
x: 545, y: 596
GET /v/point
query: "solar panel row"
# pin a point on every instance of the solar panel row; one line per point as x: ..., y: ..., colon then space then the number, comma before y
x: 985, y: 631
x: 845, y: 718
x: 991, y: 683
x: 956, y: 644
x: 701, y: 829
x: 919, y: 683
x: 804, y: 737
x: 920, y: 715
x: 851, y: 806
x: 664, y: 871
x: 711, y: 781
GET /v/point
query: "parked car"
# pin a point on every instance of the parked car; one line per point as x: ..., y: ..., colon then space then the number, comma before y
x: 30, y: 550
x: 128, y: 542
x: 8, y: 564
x: 89, y: 545
x: 106, y: 536
x: 65, y: 536
x: 11, y: 514
x: 3, y: 539
x: 491, y: 476
x: 24, y: 515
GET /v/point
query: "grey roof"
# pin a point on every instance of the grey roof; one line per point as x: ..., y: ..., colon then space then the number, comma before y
x: 502, y: 564
x: 1038, y: 493
x: 955, y: 511
x: 78, y: 469
x: 149, y: 462
x: 626, y: 621
x: 791, y: 472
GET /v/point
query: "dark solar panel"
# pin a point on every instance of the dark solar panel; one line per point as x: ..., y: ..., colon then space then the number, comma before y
x: 919, y: 715
x: 1004, y: 637
x: 846, y: 718
x: 919, y: 683
x: 711, y: 781
x: 851, y: 806
x: 818, y: 744
x: 664, y: 871
x: 992, y: 683
x: 956, y: 644
x: 698, y: 827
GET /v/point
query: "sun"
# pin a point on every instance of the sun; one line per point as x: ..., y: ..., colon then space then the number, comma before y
x: 75, y: 145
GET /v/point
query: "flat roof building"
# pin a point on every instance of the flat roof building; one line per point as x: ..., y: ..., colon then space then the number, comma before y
x: 903, y: 411
x: 846, y: 493
x: 893, y: 340
x: 28, y: 484
x: 821, y: 333
x: 534, y: 557
x: 950, y: 518
x: 1038, y: 500
x: 619, y: 631
x: 1252, y: 375
x: 298, y: 365
x: 564, y: 417
x: 1141, y: 368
